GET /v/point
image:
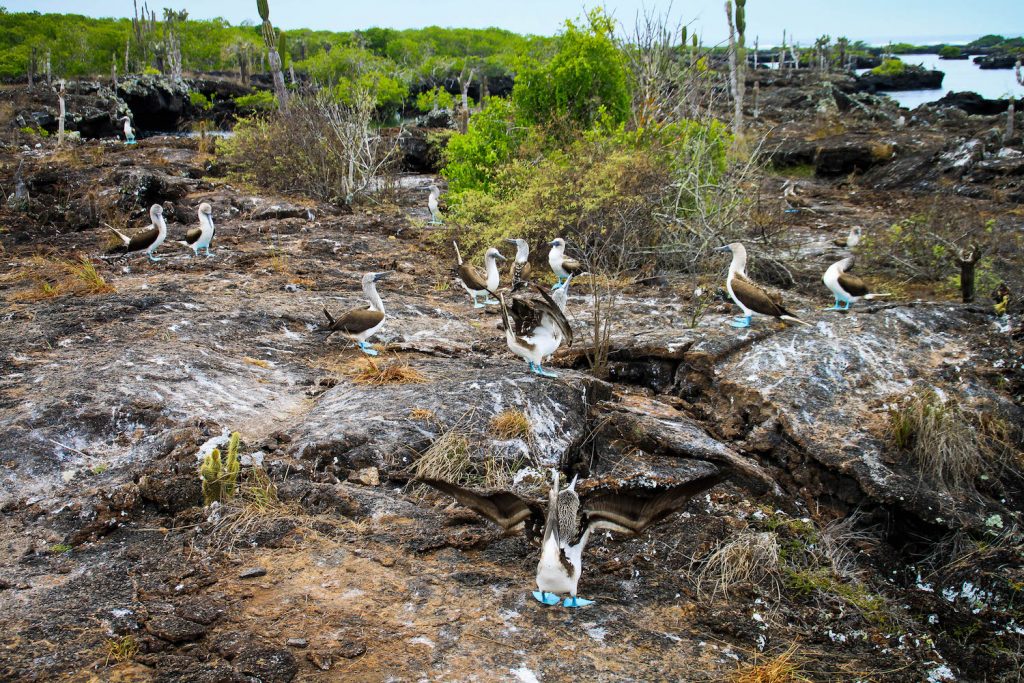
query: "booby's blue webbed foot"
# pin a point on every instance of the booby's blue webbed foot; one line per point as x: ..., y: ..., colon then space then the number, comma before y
x: 537, y: 369
x: 208, y: 254
x: 367, y: 349
x: 740, y: 322
x: 577, y: 602
x: 546, y: 598
x: 153, y: 258
x: 490, y: 301
x: 477, y: 304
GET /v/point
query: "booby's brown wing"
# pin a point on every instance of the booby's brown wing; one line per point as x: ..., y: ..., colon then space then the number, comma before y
x: 356, y: 321
x: 143, y: 240
x: 756, y: 298
x: 473, y: 278
x: 572, y: 266
x: 852, y: 284
x: 518, y: 272
x: 552, y: 309
x: 193, y: 235
x: 630, y: 512
x: 839, y: 241
x: 505, y: 509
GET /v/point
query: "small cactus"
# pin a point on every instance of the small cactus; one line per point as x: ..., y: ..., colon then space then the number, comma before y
x: 220, y: 477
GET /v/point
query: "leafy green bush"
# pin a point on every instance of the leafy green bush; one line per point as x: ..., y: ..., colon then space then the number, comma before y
x: 890, y: 67
x: 437, y: 98
x: 354, y: 73
x: 587, y: 78
x: 951, y: 52
x: 261, y: 100
x: 200, y: 101
x: 150, y: 71
x: 492, y: 139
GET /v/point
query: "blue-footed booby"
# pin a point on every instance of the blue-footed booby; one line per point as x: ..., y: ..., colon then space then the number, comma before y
x: 534, y: 328
x: 150, y: 239
x: 846, y: 288
x: 564, y: 530
x: 750, y: 297
x: 519, y: 272
x: 851, y: 240
x: 129, y: 134
x: 201, y: 237
x: 561, y: 266
x: 476, y: 283
x: 432, y: 204
x: 360, y: 324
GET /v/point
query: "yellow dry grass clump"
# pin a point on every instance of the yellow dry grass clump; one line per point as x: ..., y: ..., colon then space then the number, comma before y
x: 121, y: 649
x: 378, y: 373
x: 447, y: 459
x: 421, y: 414
x: 749, y: 557
x: 510, y: 424
x: 52, y: 277
x: 781, y: 668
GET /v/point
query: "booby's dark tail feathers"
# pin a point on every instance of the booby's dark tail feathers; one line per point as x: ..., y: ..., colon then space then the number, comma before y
x: 457, y: 254
x: 878, y: 295
x: 330, y: 318
x: 794, y: 319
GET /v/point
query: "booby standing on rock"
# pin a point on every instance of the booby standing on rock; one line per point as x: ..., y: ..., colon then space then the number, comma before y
x: 851, y: 240
x: 129, y: 134
x: 562, y: 267
x: 360, y: 324
x: 201, y: 237
x: 748, y: 296
x: 475, y: 282
x: 564, y: 531
x: 846, y: 288
x: 149, y: 240
x: 534, y: 329
x: 519, y: 272
x: 432, y: 204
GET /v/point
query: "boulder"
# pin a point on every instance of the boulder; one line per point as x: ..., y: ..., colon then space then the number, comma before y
x: 1002, y: 61
x: 972, y: 103
x: 156, y: 102
x: 912, y: 78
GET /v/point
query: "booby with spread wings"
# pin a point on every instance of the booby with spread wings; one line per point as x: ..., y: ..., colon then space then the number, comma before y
x: 564, y: 529
x: 535, y: 327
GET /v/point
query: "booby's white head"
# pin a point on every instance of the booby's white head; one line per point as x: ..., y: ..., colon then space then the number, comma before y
x: 557, y: 246
x: 435, y: 191
x: 372, y: 278
x: 854, y: 237
x: 739, y: 257
x: 156, y: 214
x: 205, y: 213
x: 493, y: 254
x: 522, y: 249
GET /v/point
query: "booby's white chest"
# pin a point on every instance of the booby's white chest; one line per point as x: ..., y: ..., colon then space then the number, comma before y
x: 732, y: 295
x: 831, y: 280
x: 551, y: 573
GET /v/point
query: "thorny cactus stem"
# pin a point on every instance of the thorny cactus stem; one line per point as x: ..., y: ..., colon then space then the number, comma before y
x: 737, y: 60
x: 210, y: 471
x: 271, y: 40
x: 232, y: 466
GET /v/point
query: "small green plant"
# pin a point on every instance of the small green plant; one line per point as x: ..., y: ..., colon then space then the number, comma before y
x: 432, y: 100
x: 220, y: 477
x: 121, y: 649
x: 150, y: 71
x: 35, y: 131
x: 99, y: 469
x: 259, y: 101
x: 890, y: 67
x: 200, y: 101
x: 59, y: 548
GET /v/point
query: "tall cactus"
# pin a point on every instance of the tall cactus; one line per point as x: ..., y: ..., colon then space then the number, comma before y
x: 737, y: 59
x: 220, y: 477
x: 271, y: 40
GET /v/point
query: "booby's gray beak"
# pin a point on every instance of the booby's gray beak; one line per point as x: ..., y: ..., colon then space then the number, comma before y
x: 723, y: 248
x: 513, y: 241
x: 551, y: 244
x: 499, y: 256
x: 382, y: 275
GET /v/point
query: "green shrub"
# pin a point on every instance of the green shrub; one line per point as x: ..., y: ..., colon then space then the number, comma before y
x: 353, y: 73
x: 951, y: 52
x: 437, y: 98
x: 259, y: 101
x: 200, y: 101
x: 890, y: 67
x: 473, y: 159
x: 150, y: 71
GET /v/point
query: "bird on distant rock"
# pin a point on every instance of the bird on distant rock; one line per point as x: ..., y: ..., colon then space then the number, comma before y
x: 148, y: 240
x: 201, y: 237
x: 562, y: 531
x: 793, y: 201
x: 433, y: 205
x: 749, y: 296
x: 129, y: 134
x: 845, y: 287
x: 519, y: 271
x: 851, y: 240
x: 562, y: 267
x: 535, y: 327
x: 359, y: 324
x: 478, y: 284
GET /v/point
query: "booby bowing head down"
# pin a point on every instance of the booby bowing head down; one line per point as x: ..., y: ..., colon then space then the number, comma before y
x: 519, y: 271
x: 201, y: 237
x: 478, y: 284
x: 845, y: 287
x: 148, y: 240
x: 434, y: 205
x: 359, y: 324
x: 750, y: 297
x: 851, y: 240
x: 534, y: 328
x: 129, y: 134
x: 561, y: 266
x: 564, y: 529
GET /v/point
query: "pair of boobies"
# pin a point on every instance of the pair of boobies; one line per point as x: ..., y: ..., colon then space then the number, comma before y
x: 150, y: 239
x: 359, y: 324
x: 479, y: 284
x: 535, y: 326
x: 562, y: 531
x: 748, y: 295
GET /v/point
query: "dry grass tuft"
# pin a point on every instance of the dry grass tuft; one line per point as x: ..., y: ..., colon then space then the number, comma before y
x: 257, y: 362
x: 378, y: 373
x: 510, y: 424
x: 943, y: 440
x: 121, y: 649
x: 421, y: 414
x: 51, y: 277
x: 781, y: 668
x: 749, y: 558
x: 255, y: 507
x: 447, y: 459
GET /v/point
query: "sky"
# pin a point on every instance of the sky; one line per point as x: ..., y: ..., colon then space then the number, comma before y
x: 875, y: 21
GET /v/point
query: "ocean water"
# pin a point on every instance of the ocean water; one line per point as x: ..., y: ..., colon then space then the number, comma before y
x: 962, y: 75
